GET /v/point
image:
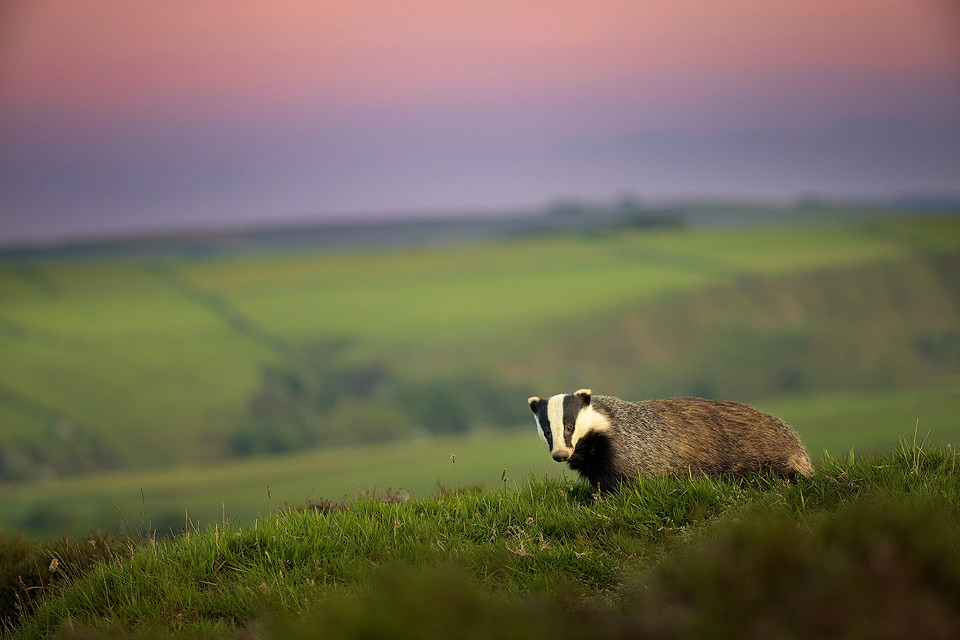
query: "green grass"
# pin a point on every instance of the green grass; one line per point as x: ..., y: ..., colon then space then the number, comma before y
x: 450, y: 294
x: 861, y: 548
x: 239, y: 490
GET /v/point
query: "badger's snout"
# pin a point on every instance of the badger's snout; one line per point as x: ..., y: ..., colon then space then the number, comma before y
x: 561, y: 456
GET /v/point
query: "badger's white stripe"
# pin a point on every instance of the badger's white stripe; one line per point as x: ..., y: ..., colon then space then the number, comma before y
x: 555, y: 415
x: 588, y: 420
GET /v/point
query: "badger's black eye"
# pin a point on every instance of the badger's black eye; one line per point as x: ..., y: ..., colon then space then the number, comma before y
x: 569, y: 428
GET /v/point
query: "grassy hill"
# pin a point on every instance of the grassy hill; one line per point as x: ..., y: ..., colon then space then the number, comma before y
x: 865, y: 548
x: 282, y: 441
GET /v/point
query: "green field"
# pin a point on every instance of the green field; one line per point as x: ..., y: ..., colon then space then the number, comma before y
x: 123, y: 346
x: 242, y: 490
x: 146, y: 368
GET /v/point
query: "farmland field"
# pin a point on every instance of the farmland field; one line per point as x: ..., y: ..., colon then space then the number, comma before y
x: 122, y: 345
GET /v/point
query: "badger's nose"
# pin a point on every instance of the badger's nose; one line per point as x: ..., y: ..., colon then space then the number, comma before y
x: 561, y: 456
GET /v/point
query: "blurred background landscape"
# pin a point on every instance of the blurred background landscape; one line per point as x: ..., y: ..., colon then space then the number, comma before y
x: 297, y: 250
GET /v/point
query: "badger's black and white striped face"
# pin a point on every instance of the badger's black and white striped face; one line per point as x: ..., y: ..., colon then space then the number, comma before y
x: 563, y: 420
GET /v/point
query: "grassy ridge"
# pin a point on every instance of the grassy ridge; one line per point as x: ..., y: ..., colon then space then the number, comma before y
x: 683, y: 557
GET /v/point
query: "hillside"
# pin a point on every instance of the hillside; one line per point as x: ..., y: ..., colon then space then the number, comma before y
x: 178, y: 356
x: 133, y: 384
x: 865, y: 548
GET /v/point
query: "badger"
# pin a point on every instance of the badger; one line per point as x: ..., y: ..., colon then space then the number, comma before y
x: 608, y: 440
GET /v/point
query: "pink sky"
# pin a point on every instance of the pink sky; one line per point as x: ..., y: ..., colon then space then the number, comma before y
x: 122, y: 114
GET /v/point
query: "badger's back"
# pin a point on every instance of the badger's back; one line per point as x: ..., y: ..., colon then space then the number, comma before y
x: 655, y: 437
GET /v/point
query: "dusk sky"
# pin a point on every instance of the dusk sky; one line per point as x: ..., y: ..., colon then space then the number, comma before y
x: 119, y: 116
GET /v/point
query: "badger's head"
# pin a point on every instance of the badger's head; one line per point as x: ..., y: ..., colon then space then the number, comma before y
x: 564, y: 420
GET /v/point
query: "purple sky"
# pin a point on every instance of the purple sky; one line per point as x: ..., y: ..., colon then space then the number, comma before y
x: 125, y: 115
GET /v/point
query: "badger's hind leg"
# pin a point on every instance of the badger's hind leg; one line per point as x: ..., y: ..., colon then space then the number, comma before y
x: 792, y: 467
x: 798, y: 465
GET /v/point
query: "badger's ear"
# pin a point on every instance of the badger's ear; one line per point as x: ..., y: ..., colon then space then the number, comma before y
x: 583, y: 395
x: 534, y: 403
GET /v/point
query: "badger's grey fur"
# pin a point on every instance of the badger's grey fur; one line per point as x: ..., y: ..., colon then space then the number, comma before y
x: 609, y: 440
